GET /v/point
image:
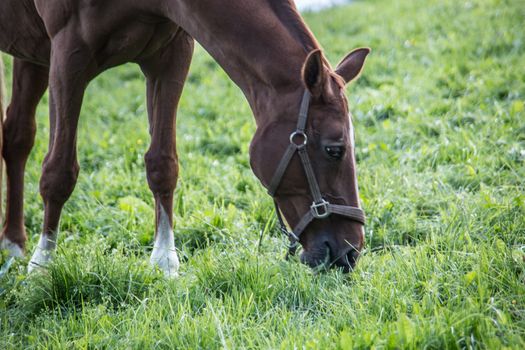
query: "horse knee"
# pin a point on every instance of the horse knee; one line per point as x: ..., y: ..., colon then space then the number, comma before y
x: 19, y: 138
x: 162, y: 172
x: 57, y: 183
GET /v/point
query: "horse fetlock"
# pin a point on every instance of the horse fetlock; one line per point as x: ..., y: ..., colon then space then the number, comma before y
x: 43, y: 253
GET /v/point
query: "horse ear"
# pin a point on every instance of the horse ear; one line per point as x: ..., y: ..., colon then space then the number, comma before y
x: 352, y: 64
x: 313, y: 73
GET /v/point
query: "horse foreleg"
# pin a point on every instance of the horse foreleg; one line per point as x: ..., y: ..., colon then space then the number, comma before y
x: 29, y: 84
x: 165, y: 72
x: 68, y: 78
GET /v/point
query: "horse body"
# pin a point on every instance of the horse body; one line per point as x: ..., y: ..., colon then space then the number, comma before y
x: 111, y: 32
x: 264, y: 46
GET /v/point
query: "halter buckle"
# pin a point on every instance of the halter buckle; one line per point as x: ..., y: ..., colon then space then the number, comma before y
x: 297, y: 134
x: 320, y: 210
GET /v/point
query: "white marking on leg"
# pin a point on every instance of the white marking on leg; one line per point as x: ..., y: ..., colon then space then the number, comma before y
x: 43, y: 252
x: 13, y: 249
x: 164, y: 254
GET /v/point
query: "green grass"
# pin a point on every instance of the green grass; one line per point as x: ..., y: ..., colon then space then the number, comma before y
x: 440, y: 128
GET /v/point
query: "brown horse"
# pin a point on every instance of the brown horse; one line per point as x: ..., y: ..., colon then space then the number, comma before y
x: 302, y: 151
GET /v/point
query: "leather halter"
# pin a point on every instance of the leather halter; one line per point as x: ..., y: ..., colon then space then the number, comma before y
x: 320, y: 208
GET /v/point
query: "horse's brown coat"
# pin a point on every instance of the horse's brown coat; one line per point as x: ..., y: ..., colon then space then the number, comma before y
x: 262, y: 45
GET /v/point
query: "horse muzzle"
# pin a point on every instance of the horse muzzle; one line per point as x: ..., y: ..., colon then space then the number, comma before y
x: 326, y: 254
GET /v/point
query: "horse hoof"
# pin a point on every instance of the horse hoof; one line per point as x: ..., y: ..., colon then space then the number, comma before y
x: 167, y: 261
x: 13, y: 249
x: 43, y: 253
x: 40, y: 259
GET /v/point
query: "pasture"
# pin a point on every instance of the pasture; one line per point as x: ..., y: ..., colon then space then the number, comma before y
x: 439, y: 119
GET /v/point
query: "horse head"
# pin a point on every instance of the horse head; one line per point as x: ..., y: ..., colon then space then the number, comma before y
x: 306, y: 161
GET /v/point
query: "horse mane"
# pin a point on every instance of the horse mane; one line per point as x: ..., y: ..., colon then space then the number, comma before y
x: 287, y: 12
x: 290, y: 17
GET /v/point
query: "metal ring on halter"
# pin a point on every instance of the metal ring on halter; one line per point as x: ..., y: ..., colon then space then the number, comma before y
x: 301, y: 134
x: 293, y: 236
x: 293, y: 245
x: 325, y: 212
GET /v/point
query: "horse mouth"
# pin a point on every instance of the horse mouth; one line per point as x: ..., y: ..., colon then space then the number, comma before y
x: 323, y: 259
x: 346, y: 262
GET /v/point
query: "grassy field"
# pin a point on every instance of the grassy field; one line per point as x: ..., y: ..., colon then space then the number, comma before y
x: 440, y: 129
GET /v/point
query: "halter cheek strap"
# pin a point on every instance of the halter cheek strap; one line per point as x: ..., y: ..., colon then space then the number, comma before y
x: 320, y: 208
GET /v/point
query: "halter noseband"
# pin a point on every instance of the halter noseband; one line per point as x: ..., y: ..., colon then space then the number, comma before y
x: 320, y: 208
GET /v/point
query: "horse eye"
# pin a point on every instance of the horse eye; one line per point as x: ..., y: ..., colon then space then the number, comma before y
x: 335, y: 152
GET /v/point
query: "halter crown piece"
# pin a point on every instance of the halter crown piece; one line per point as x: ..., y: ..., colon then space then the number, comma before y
x: 320, y: 208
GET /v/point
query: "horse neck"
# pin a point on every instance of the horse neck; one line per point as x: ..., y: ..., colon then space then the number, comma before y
x: 261, y: 45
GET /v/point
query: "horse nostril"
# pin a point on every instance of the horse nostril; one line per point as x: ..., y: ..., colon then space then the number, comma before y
x: 351, y: 257
x: 319, y: 257
x: 328, y: 255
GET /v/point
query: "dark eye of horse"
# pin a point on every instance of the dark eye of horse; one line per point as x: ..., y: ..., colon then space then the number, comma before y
x: 335, y: 152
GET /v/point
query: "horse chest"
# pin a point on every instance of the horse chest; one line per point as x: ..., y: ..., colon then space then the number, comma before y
x: 22, y: 32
